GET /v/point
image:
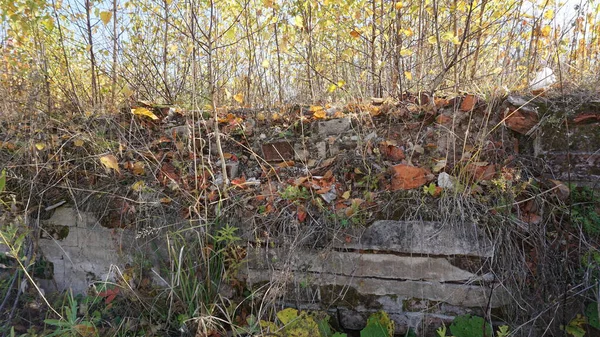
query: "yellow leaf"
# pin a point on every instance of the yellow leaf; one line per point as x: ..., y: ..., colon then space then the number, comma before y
x: 78, y: 142
x: 168, y: 2
x: 40, y: 146
x: 239, y: 98
x: 346, y: 195
x: 298, y: 22
x: 432, y: 39
x: 110, y: 162
x: 407, y: 32
x: 315, y: 108
x: 405, y: 52
x: 138, y: 185
x: 546, y: 31
x: 331, y: 88
x: 399, y: 5
x: 341, y: 83
x: 268, y: 3
x: 275, y: 116
x: 549, y: 14
x: 408, y: 75
x: 260, y: 116
x: 319, y: 114
x: 143, y: 112
x: 105, y: 17
x: 265, y: 63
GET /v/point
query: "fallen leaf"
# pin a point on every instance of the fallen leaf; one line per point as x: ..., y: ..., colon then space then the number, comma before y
x: 468, y: 103
x: 144, y: 112
x: 391, y: 152
x: 481, y: 171
x: 561, y: 189
x: 520, y: 120
x: 320, y: 114
x: 40, y: 146
x: 301, y: 214
x: 110, y: 162
x: 405, y: 177
x: 78, y: 142
x: 346, y: 195
x: 138, y: 185
x: 587, y: 118
x: 138, y: 168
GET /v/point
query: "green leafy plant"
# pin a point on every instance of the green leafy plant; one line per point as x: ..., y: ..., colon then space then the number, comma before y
x: 71, y: 324
x: 379, y: 324
x: 294, y: 323
x: 583, y: 210
x: 591, y: 313
x: 295, y: 193
x: 576, y: 326
x: 470, y: 326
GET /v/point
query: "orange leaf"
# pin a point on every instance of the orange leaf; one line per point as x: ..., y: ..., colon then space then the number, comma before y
x: 468, y: 103
x: 301, y: 214
x: 355, y: 34
x: 239, y: 182
x: 405, y: 177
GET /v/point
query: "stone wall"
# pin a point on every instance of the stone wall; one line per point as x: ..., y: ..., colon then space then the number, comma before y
x: 421, y: 273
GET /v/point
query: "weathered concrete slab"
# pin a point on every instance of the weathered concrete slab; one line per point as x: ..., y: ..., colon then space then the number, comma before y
x: 88, y: 251
x: 333, y: 127
x: 454, y: 294
x: 422, y: 237
x: 387, y: 266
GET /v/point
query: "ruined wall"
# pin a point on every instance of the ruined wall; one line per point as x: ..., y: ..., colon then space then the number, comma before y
x: 422, y: 273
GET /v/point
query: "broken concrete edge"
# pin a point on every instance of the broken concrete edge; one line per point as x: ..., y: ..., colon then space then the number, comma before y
x: 454, y: 294
x: 89, y: 254
x: 381, y: 265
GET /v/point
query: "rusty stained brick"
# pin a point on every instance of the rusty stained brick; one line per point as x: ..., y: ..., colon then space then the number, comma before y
x: 278, y: 151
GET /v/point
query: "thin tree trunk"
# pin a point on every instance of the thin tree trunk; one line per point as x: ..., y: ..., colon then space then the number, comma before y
x: 113, y: 90
x: 88, y: 9
x: 279, y: 86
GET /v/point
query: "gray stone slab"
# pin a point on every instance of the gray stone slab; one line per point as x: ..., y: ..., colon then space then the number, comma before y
x: 386, y: 266
x: 333, y: 127
x: 422, y: 237
x: 454, y: 294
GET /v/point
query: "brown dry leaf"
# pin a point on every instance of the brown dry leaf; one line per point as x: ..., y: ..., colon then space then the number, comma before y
x: 561, y: 189
x: 355, y: 34
x: 110, y: 162
x: 587, y: 118
x: 481, y: 171
x: 289, y: 163
x: 468, y: 103
x: 138, y: 168
x: 405, y: 177
x: 78, y: 142
x: 443, y: 119
x: 165, y: 200
x: 391, y: 152
x: 521, y: 120
x: 167, y: 173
